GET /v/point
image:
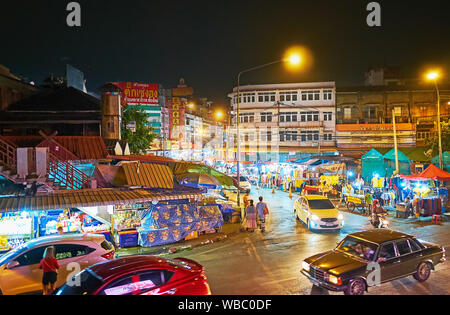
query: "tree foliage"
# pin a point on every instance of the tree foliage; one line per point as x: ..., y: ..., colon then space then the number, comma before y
x: 141, y: 140
x: 433, y: 142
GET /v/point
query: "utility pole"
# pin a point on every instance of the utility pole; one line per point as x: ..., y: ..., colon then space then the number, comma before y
x: 395, y: 143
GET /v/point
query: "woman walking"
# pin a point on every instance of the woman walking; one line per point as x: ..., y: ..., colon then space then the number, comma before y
x: 250, y: 212
x: 49, y: 265
x: 262, y: 210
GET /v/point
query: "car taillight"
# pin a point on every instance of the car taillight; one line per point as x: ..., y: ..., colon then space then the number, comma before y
x: 109, y: 255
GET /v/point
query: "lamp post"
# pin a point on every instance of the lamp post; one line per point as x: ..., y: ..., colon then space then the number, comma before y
x: 433, y: 76
x: 294, y: 60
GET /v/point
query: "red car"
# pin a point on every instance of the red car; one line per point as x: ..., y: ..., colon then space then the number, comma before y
x: 140, y: 275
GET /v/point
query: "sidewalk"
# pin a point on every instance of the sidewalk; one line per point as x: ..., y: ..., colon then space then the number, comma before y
x: 204, y: 239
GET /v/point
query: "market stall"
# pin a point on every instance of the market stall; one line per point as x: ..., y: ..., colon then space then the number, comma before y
x: 428, y: 198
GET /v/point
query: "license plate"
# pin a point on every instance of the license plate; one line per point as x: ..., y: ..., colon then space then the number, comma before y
x: 330, y: 224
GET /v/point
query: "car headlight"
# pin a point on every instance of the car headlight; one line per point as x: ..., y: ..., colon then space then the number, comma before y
x: 305, y: 266
x: 315, y: 218
x: 334, y: 279
x: 340, y: 217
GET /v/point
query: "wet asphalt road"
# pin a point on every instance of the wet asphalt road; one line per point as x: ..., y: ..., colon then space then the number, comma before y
x: 258, y: 264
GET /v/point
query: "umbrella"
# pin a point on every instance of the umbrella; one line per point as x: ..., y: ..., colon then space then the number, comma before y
x: 200, y: 180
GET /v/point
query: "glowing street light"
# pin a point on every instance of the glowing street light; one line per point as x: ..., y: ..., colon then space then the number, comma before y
x: 293, y: 58
x: 219, y: 115
x: 434, y: 75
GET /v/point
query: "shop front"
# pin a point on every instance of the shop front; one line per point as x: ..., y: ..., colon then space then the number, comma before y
x: 115, y: 213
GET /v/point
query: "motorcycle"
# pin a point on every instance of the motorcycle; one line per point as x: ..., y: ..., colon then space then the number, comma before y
x: 382, y: 223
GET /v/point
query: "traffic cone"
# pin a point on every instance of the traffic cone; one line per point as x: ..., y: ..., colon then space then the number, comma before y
x: 273, y: 189
x: 290, y: 193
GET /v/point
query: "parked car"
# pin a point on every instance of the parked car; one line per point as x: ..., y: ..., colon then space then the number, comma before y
x: 244, y: 184
x: 318, y: 213
x: 141, y: 275
x: 19, y: 268
x: 397, y: 255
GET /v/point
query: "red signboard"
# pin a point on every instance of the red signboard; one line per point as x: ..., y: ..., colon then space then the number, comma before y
x: 139, y: 93
x: 177, y: 109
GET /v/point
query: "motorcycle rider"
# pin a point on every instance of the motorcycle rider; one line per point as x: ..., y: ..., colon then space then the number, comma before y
x: 377, y: 212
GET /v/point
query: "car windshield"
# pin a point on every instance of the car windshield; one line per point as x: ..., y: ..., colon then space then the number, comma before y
x: 89, y: 283
x: 320, y: 204
x: 358, y: 248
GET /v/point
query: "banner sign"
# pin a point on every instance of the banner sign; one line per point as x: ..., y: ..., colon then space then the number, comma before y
x: 139, y: 93
x: 176, y: 118
x: 333, y: 168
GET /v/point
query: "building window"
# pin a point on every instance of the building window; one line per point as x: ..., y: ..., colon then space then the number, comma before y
x: 289, y: 117
x: 249, y: 98
x: 265, y: 97
x: 423, y: 135
x: 370, y: 112
x: 328, y: 95
x: 328, y: 137
x: 266, y: 117
x: 348, y: 113
x: 309, y: 135
x: 311, y: 95
x: 327, y: 116
x: 247, y: 118
x: 288, y: 96
x: 287, y: 135
x: 309, y: 116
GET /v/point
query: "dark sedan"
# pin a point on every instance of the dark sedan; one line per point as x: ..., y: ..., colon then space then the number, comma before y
x: 369, y: 258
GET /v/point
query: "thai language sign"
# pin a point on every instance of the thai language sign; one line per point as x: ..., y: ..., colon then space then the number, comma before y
x: 139, y: 93
x: 176, y: 118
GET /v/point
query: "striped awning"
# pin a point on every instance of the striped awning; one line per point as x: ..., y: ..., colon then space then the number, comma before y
x: 145, y: 175
x: 88, y: 198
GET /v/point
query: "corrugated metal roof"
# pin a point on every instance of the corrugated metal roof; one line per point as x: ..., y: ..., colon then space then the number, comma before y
x: 88, y: 198
x: 86, y: 148
x: 145, y: 175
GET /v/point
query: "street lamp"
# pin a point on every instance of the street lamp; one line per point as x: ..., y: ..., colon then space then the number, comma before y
x: 293, y: 59
x: 434, y: 76
x: 219, y: 115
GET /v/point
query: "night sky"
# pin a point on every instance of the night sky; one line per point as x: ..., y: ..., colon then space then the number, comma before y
x: 209, y: 42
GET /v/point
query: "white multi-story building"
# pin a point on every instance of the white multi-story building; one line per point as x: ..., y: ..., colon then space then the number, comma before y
x: 283, y: 121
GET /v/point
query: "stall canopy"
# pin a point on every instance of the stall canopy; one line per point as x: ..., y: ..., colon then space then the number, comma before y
x: 179, y: 169
x: 372, y: 162
x: 431, y: 173
x: 403, y: 163
x: 89, y: 198
x: 445, y: 160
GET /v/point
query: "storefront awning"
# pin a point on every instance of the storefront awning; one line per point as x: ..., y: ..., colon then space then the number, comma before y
x: 88, y: 198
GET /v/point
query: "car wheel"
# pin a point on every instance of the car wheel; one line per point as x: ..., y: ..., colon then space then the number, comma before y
x: 423, y: 272
x: 356, y: 287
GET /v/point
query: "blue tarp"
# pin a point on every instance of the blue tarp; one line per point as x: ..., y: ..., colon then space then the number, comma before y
x: 166, y: 224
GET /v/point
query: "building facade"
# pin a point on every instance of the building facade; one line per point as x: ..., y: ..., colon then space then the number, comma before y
x: 283, y: 121
x: 365, y: 116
